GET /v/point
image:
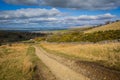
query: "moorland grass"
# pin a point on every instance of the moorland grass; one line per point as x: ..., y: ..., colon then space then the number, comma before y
x: 105, y: 54
x: 111, y: 26
x: 17, y: 62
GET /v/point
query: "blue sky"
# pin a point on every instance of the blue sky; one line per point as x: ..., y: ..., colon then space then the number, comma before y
x: 56, y: 13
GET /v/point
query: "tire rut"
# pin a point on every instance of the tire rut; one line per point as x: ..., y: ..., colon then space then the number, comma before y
x: 60, y: 71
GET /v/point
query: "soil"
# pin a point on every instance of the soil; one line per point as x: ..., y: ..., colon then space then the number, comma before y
x: 61, y: 72
x: 74, y: 69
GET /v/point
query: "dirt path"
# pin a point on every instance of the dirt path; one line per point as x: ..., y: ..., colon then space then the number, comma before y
x: 60, y: 71
x: 92, y: 70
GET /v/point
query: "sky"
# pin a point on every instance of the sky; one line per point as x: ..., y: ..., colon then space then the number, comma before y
x: 34, y: 14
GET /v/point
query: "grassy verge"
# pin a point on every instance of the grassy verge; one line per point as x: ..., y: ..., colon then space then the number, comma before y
x: 39, y: 70
x: 104, y: 54
x: 12, y: 65
x: 30, y: 63
x: 18, y: 62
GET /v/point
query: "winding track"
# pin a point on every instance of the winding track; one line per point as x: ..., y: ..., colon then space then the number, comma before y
x: 60, y: 71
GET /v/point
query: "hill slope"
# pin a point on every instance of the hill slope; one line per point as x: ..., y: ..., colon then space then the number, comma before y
x: 111, y: 26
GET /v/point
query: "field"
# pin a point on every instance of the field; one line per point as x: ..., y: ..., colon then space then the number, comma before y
x: 104, y: 54
x: 16, y: 62
x: 111, y: 26
x: 20, y: 61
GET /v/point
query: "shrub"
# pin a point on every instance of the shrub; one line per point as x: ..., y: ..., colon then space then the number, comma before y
x: 87, y: 37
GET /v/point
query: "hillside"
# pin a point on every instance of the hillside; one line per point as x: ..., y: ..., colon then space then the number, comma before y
x: 111, y: 26
x: 14, y: 36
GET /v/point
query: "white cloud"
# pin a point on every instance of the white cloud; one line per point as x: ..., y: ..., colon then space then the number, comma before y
x: 28, y: 13
x: 52, y: 17
x: 91, y: 17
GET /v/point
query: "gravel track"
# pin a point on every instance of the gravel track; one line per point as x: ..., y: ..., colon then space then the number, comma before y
x: 60, y: 71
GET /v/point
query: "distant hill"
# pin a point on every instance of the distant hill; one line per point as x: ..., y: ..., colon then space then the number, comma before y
x: 110, y: 26
x: 109, y: 31
x: 70, y: 30
x: 15, y: 36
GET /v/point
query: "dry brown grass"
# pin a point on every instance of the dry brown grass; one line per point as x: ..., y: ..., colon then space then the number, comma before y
x: 108, y: 53
x: 112, y: 26
x: 14, y: 63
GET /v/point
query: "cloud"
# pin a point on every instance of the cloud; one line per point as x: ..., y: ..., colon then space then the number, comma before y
x: 22, y: 2
x: 29, y: 13
x: 74, y: 4
x: 42, y: 20
x: 49, y: 17
x: 91, y: 17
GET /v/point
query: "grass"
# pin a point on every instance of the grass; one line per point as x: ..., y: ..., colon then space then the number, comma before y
x: 105, y: 54
x: 81, y: 37
x: 112, y: 26
x: 17, y: 62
